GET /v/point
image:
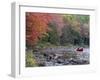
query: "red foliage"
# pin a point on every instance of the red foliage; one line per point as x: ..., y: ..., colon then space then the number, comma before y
x: 36, y: 26
x: 58, y: 19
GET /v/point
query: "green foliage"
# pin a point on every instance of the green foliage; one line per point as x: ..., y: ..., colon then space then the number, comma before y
x: 52, y: 37
x: 70, y: 19
x: 76, y: 31
x: 30, y: 61
x: 72, y: 32
x: 69, y: 36
x: 83, y: 18
x: 41, y: 45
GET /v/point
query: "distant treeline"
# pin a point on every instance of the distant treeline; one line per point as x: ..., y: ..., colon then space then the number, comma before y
x: 57, y: 29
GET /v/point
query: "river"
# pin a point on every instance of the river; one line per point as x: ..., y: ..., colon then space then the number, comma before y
x: 62, y: 56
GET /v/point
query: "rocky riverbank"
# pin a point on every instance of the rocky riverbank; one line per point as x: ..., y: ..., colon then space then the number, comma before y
x: 60, y: 56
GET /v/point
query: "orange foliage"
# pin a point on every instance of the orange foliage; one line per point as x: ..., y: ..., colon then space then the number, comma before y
x: 36, y: 27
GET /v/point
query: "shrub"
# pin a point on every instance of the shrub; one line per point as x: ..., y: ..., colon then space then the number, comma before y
x: 30, y: 60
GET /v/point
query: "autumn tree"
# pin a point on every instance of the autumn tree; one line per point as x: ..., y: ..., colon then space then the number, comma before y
x: 36, y: 27
x: 76, y: 30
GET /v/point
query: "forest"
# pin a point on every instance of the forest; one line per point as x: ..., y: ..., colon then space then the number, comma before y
x: 54, y: 39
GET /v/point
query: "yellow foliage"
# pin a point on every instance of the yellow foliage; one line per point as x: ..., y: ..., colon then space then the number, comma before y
x: 30, y: 61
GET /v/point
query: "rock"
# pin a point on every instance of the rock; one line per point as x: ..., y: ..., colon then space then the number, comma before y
x: 57, y: 64
x: 60, y: 56
x: 82, y: 62
x: 66, y: 62
x: 60, y: 60
x: 41, y: 64
x: 49, y: 64
x: 45, y: 55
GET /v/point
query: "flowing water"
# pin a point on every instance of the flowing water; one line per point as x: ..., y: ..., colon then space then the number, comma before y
x: 61, y: 56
